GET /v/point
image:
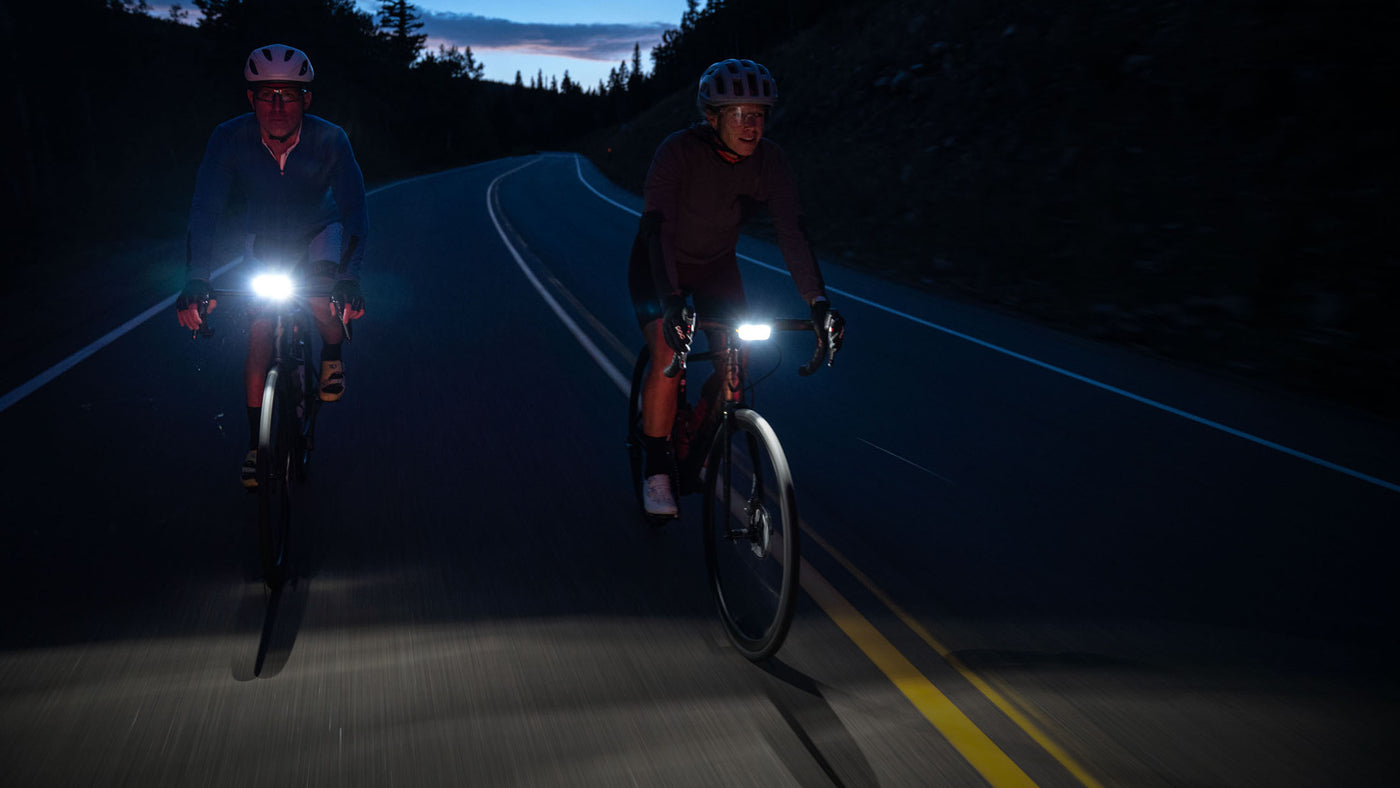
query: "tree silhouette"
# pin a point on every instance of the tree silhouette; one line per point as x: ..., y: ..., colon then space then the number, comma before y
x: 452, y: 63
x: 399, y: 23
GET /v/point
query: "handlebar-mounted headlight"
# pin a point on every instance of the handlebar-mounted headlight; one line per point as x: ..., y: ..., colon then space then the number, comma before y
x: 277, y: 287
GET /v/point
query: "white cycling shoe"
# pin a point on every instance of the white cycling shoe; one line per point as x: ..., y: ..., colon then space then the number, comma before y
x: 657, y: 498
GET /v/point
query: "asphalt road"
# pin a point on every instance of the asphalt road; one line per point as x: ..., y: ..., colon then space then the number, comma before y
x: 1031, y: 559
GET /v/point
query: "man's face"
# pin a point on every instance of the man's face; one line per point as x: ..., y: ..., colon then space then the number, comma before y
x: 279, y: 107
x: 740, y: 126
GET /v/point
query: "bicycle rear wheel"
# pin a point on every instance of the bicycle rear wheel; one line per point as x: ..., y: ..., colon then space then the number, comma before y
x: 277, y: 439
x: 751, y: 537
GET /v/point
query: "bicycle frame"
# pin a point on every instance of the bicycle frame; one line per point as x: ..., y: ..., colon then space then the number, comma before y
x: 287, y: 421
x: 732, y: 368
x: 732, y: 456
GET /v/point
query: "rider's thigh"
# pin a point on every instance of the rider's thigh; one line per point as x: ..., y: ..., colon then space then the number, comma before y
x: 319, y: 305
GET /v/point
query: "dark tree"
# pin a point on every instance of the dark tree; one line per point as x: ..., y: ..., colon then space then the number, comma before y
x: 452, y: 62
x: 399, y: 23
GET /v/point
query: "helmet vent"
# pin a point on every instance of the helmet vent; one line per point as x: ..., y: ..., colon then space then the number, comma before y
x: 252, y: 66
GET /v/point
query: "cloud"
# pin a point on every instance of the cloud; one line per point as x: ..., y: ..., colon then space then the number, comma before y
x: 601, y: 42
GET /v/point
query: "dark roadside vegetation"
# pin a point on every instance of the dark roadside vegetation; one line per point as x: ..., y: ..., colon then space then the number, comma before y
x: 1207, y: 182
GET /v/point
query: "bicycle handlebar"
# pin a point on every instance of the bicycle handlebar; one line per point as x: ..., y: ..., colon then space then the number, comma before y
x: 205, y: 330
x: 828, y: 341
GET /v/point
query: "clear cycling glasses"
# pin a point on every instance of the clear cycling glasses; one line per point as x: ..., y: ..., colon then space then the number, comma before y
x: 741, y: 117
x: 287, y: 95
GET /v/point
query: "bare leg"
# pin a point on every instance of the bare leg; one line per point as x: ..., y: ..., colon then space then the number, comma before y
x: 658, y: 391
x: 259, y: 356
x: 327, y: 322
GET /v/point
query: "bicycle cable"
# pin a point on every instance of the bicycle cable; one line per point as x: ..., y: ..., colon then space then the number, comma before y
x: 750, y: 389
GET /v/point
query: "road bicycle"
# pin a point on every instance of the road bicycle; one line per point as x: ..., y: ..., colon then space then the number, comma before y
x: 728, y: 453
x: 291, y: 401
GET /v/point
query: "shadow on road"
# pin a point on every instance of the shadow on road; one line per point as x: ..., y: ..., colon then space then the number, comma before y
x: 277, y: 615
x: 818, y: 729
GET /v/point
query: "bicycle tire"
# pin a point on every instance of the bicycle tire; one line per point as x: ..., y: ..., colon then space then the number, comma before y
x: 310, y: 398
x: 276, y: 442
x: 635, y: 453
x: 753, y: 559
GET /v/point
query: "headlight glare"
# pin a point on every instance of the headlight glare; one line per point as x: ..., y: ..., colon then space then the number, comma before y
x: 277, y: 287
x: 754, y: 332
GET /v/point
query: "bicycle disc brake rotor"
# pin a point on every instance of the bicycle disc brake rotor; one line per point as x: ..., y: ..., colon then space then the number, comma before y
x: 760, y: 529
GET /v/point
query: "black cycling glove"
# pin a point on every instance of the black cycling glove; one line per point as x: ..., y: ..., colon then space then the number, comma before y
x: 675, y: 326
x: 196, y: 290
x: 347, y: 292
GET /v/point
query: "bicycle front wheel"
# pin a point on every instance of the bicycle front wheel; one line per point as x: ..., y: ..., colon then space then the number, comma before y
x: 751, y: 537
x: 277, y: 439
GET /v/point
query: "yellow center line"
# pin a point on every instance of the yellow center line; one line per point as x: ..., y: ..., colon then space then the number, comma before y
x: 969, y: 740
x: 1007, y: 707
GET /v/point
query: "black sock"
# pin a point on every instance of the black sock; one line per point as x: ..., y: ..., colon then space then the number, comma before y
x: 330, y: 352
x: 658, y: 455
x: 254, y: 416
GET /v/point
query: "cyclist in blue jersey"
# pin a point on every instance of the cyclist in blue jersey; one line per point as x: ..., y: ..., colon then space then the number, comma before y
x: 303, y: 198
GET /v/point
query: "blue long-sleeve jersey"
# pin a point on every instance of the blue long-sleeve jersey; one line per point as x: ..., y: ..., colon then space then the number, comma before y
x: 286, y: 206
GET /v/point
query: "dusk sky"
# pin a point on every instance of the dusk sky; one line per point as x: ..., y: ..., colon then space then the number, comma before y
x: 587, y: 39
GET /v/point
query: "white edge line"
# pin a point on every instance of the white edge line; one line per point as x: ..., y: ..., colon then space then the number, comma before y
x: 623, y: 383
x: 1393, y: 487
x: 43, y: 378
x: 578, y: 167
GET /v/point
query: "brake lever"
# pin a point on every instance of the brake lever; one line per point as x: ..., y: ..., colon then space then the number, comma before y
x: 346, y: 326
x: 834, y: 338
x: 204, y: 329
x: 677, y: 365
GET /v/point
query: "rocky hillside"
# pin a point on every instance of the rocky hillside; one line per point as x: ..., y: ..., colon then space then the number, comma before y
x: 1204, y: 181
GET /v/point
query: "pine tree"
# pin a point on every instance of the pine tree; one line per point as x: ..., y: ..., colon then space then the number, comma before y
x: 634, y: 79
x: 399, y: 24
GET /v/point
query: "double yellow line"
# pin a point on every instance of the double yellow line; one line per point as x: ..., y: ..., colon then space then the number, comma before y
x: 980, y: 751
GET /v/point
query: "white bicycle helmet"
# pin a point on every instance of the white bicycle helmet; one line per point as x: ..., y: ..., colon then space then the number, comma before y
x: 278, y: 63
x: 736, y: 81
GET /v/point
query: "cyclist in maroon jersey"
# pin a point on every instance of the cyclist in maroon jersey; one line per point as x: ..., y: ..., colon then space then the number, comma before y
x: 702, y: 183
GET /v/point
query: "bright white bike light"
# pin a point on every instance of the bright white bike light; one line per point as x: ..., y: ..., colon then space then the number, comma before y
x: 278, y: 287
x: 753, y: 332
